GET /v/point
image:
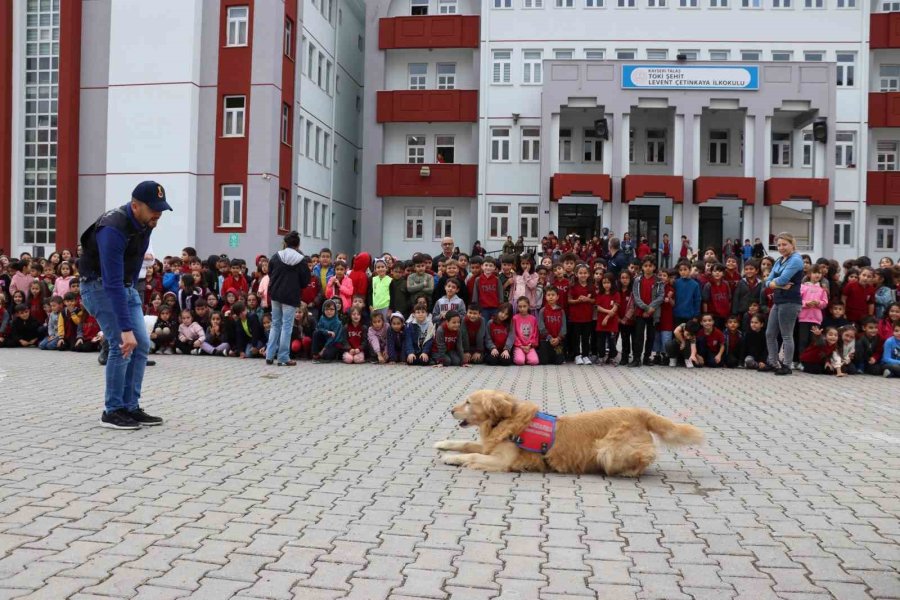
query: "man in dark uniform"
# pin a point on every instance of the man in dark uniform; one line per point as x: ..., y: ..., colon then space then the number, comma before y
x: 113, y: 250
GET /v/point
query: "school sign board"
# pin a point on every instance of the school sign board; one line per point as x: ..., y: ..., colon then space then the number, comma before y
x: 690, y: 77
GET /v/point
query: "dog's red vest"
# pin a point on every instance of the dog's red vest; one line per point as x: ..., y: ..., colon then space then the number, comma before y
x: 539, y: 435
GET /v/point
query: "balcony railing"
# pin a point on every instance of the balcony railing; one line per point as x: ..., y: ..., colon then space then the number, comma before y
x: 781, y: 189
x: 432, y: 180
x: 883, y: 188
x: 884, y: 109
x: 436, y: 31
x: 428, y: 106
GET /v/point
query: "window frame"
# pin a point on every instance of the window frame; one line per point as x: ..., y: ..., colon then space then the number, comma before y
x: 411, y: 77
x: 890, y: 229
x: 448, y: 7
x: 565, y: 145
x: 500, y: 144
x: 887, y: 154
x: 449, y: 79
x: 438, y: 145
x: 589, y: 136
x: 502, y: 219
x: 235, y: 26
x: 890, y: 78
x: 501, y: 67
x: 653, y: 145
x: 284, y: 212
x: 806, y: 148
x: 845, y: 149
x: 718, y: 148
x: 289, y: 38
x: 532, y: 69
x: 419, y: 5
x: 237, y: 206
x: 533, y: 219
x: 231, y: 112
x: 843, y: 228
x: 412, y: 157
x: 726, y: 53
x: 444, y: 222
x: 286, y: 124
x: 533, y: 143
x: 417, y: 221
x: 784, y: 149
x: 846, y: 70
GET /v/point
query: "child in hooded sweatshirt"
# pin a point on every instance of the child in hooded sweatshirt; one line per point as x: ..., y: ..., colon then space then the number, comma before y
x: 359, y: 274
x: 525, y: 329
x: 380, y: 292
x: 396, y: 338
x: 813, y: 300
x: 498, y: 339
x: 355, y: 338
x: 329, y: 333
x: 52, y: 339
x: 377, y: 338
x: 869, y: 347
x: 215, y: 342
x: 190, y: 335
x: 450, y: 301
x: 450, y: 342
x: 419, y: 337
x: 340, y: 286
x: 165, y: 330
x: 474, y: 326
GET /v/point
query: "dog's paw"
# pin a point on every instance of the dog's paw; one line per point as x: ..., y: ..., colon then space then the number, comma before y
x: 453, y: 459
x: 443, y: 445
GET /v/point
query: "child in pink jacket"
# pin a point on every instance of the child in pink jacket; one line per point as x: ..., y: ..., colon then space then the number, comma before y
x: 526, y: 283
x: 525, y: 332
x: 813, y: 300
x: 340, y: 286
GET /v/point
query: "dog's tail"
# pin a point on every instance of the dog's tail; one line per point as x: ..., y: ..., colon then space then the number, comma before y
x: 671, y: 433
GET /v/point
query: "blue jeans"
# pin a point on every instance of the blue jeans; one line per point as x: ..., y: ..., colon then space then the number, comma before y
x: 782, y: 319
x: 280, y: 334
x: 124, y: 376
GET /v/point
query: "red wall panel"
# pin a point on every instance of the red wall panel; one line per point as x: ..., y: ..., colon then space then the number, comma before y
x: 883, y: 188
x: 6, y: 74
x: 707, y: 188
x: 884, y: 31
x: 570, y: 184
x: 884, y: 109
x: 68, y: 123
x: 445, y: 180
x: 779, y: 189
x: 427, y: 106
x: 436, y: 31
x: 668, y: 186
x: 285, y: 151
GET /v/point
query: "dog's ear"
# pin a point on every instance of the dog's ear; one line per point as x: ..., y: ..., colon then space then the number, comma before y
x: 498, y: 405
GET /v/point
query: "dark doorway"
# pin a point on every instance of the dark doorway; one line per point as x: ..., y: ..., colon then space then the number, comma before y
x: 580, y: 219
x: 710, y: 229
x: 643, y: 221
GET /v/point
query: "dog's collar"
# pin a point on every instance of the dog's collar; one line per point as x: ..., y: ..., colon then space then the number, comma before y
x: 538, y: 436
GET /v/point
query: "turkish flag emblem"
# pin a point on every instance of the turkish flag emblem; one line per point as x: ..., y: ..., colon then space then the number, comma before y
x: 159, y: 192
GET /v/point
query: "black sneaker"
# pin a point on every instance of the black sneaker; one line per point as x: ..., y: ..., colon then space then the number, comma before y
x: 103, y: 357
x: 119, y: 419
x: 783, y: 370
x: 143, y: 418
x: 270, y: 361
x: 151, y: 363
x: 634, y: 363
x: 648, y: 362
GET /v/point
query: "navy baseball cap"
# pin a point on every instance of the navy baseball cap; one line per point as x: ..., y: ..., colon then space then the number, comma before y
x: 152, y: 194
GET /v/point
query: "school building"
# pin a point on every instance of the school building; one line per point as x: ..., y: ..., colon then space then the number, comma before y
x: 713, y: 119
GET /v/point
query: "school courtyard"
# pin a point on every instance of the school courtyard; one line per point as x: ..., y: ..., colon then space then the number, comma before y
x: 320, y: 482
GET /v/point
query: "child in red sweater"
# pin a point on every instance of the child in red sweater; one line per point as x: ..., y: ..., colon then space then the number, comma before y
x: 580, y: 316
x: 717, y: 296
x: 710, y: 343
x: 859, y: 295
x: 608, y: 301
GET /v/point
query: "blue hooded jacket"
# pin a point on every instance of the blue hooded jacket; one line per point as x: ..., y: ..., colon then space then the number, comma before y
x: 687, y: 298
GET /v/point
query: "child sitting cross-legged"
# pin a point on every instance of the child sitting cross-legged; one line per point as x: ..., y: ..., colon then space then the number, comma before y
x: 355, y: 338
x: 215, y: 342
x: 450, y: 341
x: 190, y: 335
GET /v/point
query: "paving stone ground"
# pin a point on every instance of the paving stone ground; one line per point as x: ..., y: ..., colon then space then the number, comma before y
x: 320, y: 482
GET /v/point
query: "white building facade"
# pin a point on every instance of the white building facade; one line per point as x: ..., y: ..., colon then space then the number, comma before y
x: 520, y: 117
x: 246, y: 111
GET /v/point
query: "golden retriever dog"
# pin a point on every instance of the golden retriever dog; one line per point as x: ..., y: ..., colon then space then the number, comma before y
x: 612, y: 441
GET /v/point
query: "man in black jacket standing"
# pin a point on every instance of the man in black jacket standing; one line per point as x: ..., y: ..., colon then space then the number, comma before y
x: 288, y: 275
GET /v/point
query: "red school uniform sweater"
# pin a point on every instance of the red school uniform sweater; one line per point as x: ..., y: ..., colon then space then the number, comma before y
x: 666, y: 316
x: 238, y: 284
x: 499, y: 333
x: 451, y: 338
x: 646, y: 291
x: 488, y: 290
x: 718, y: 299
x: 714, y: 339
x: 606, y: 301
x: 355, y: 336
x: 553, y: 320
x: 859, y: 297
x: 582, y: 312
x: 732, y: 278
x: 562, y: 284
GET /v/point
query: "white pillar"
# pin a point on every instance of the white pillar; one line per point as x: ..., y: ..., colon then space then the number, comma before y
x: 606, y: 215
x: 608, y: 149
x: 554, y: 144
x: 818, y: 244
x: 747, y: 225
x: 678, y: 145
x: 749, y: 141
x: 677, y: 225
x: 621, y: 225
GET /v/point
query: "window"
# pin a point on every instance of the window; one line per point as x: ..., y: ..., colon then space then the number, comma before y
x: 657, y: 54
x: 844, y: 145
x: 718, y: 3
x: 750, y: 55
x: 418, y: 73
x: 360, y: 42
x: 657, y: 3
x: 502, y: 66
x: 533, y: 4
x: 690, y: 54
x: 625, y: 3
x: 502, y: 3
x: 781, y: 149
x: 565, y: 3
x: 528, y: 221
x: 531, y: 144
x: 846, y: 3
x: 234, y: 116
x: 594, y: 54
x: 415, y: 149
x: 813, y: 3
x: 443, y: 223
x: 447, y: 7
x: 445, y: 149
x: 593, y: 3
x: 498, y: 220
x: 563, y: 54
x: 751, y: 3
x: 283, y: 210
x: 886, y: 156
x: 320, y: 71
x: 781, y: 55
x: 656, y: 145
x: 885, y: 233
x: 843, y: 228
x: 303, y: 46
x: 889, y: 78
x: 327, y: 10
x: 446, y: 76
x: 306, y: 215
x: 626, y: 54
x: 807, y: 149
x: 687, y: 3
x: 329, y: 67
x: 719, y: 54
x: 285, y: 124
x: 593, y: 146
x: 846, y: 69
x: 289, y: 38
x: 890, y: 6
x: 500, y: 144
x: 718, y: 147
x: 532, y: 67
x: 418, y: 7
x: 631, y: 145
x: 794, y: 216
x: 308, y: 144
x: 813, y: 56
x: 318, y: 144
x: 236, y: 28
x: 565, y: 145
x: 781, y: 3
x: 415, y: 224
x: 310, y: 59
x: 326, y: 144
x: 232, y: 212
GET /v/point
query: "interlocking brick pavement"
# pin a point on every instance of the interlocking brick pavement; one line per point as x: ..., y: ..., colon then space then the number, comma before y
x: 321, y: 482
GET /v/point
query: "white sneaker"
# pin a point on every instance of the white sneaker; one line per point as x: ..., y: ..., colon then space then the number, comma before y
x: 689, y: 364
x: 586, y: 360
x: 579, y: 360
x: 195, y: 351
x: 886, y: 373
x: 673, y: 362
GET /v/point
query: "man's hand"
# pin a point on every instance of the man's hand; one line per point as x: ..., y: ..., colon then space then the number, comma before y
x: 128, y: 343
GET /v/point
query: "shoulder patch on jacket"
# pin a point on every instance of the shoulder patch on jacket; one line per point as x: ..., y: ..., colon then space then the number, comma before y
x: 539, y: 435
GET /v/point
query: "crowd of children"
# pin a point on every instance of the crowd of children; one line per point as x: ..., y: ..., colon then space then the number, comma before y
x: 582, y: 306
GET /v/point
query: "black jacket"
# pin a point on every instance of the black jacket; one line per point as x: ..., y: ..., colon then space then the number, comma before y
x: 288, y: 275
x: 257, y: 334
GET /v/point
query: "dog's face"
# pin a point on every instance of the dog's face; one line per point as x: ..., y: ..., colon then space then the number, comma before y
x: 484, y: 406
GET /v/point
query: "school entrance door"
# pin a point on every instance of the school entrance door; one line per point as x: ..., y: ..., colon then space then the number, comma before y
x: 710, y: 229
x: 643, y: 221
x: 580, y: 219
